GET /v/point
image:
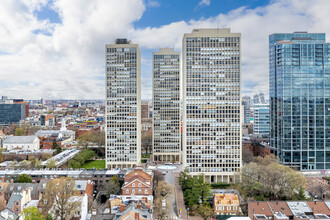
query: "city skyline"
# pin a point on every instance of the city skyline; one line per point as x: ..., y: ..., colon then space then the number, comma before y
x: 60, y: 51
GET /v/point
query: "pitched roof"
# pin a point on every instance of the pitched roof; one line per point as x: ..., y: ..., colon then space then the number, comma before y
x: 319, y: 207
x: 226, y: 199
x: 10, y: 213
x: 280, y: 206
x: 260, y: 208
x: 132, y: 207
x: 136, y: 180
x: 19, y: 139
x: 14, y: 197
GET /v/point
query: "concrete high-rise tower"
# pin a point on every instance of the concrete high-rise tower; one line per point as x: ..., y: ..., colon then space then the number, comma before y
x: 123, y: 104
x: 166, y: 106
x: 211, y: 103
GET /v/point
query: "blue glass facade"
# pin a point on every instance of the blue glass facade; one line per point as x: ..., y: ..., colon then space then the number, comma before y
x: 300, y: 99
x: 11, y: 113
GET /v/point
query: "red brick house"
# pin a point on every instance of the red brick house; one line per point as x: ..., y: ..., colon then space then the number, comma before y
x: 138, y: 182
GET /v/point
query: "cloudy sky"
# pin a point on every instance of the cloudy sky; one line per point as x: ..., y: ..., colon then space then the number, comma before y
x: 54, y: 49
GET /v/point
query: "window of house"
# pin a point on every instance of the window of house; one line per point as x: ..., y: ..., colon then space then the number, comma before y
x: 139, y: 184
x: 133, y: 185
x: 133, y: 191
x: 127, y: 190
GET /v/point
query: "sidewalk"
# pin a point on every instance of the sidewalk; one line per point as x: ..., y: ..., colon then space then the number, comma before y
x: 180, y: 202
x: 179, y: 198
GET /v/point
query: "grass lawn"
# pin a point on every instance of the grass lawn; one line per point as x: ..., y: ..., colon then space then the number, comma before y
x: 146, y: 156
x: 98, y: 164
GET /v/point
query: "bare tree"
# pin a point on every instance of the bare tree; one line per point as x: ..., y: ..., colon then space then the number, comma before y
x: 58, y: 198
x: 247, y: 155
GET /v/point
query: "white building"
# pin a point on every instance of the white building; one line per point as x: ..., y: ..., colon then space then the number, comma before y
x: 21, y: 143
x: 211, y: 103
x: 166, y: 137
x: 123, y: 104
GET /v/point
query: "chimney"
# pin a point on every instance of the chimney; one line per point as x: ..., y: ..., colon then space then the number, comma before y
x: 137, y: 216
x: 122, y: 208
x: 138, y: 205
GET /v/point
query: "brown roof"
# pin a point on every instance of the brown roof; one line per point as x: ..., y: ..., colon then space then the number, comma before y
x: 280, y: 206
x: 259, y: 208
x: 319, y: 207
x: 138, y: 172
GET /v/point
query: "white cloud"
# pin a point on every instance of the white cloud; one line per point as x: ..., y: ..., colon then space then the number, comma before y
x: 204, y: 3
x: 69, y: 63
x: 153, y: 3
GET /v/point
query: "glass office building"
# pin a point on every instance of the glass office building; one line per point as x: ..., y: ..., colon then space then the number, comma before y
x: 261, y: 119
x: 212, y: 103
x: 300, y: 99
x: 123, y: 104
x: 12, y: 113
x: 166, y: 124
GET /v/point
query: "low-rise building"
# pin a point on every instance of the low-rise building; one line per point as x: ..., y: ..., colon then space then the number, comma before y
x: 292, y: 210
x: 133, y: 211
x: 20, y: 155
x: 21, y: 143
x: 226, y: 204
x: 138, y: 182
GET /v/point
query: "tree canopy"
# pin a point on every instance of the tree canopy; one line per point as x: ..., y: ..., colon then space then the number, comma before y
x: 267, y: 177
x: 32, y: 213
x: 24, y: 178
x: 195, y: 189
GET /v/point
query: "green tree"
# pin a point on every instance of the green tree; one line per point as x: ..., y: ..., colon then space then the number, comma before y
x: 205, y: 211
x: 195, y: 189
x: 49, y: 217
x: 51, y: 164
x: 19, y: 132
x: 74, y: 164
x: 24, y: 178
x: 81, y: 158
x: 58, y: 150
x: 1, y: 156
x: 55, y: 145
x: 32, y: 213
x: 113, y: 187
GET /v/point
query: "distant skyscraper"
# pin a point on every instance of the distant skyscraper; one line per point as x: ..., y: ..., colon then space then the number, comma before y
x: 166, y: 105
x: 300, y: 99
x: 211, y: 103
x: 246, y: 103
x: 123, y: 104
x: 145, y: 110
x: 261, y: 119
x: 259, y: 98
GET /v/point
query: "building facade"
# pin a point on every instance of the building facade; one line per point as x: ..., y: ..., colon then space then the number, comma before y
x: 212, y: 103
x: 12, y: 113
x: 261, y: 119
x: 123, y: 104
x: 145, y: 110
x: 166, y: 140
x: 300, y: 99
x: 25, y: 143
x: 246, y: 104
